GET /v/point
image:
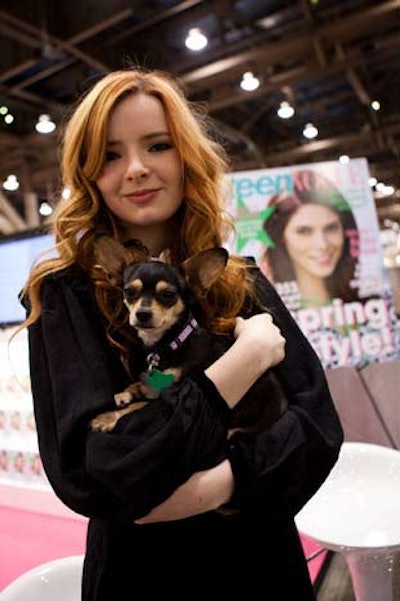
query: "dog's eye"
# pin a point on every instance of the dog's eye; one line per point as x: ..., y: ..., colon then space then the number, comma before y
x: 131, y: 294
x: 167, y: 297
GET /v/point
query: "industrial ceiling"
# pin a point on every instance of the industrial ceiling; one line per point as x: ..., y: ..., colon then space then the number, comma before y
x: 330, y: 59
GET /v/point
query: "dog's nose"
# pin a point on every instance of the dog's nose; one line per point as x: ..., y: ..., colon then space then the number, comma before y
x: 144, y: 315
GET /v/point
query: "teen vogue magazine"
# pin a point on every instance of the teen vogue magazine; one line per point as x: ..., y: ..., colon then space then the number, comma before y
x: 314, y: 232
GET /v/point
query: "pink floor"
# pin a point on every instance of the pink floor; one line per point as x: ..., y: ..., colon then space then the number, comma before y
x: 28, y: 539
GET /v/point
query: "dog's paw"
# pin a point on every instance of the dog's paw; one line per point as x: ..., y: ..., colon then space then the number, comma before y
x: 105, y: 422
x: 123, y: 398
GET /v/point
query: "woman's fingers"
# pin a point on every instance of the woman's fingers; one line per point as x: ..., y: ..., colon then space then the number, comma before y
x: 262, y: 334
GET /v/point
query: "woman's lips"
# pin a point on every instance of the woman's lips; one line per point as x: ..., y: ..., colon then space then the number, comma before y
x: 142, y: 196
x: 323, y: 259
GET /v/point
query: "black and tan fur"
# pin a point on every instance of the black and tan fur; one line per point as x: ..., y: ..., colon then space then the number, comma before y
x: 161, y: 300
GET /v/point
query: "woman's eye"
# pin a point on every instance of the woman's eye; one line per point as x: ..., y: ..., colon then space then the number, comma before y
x: 110, y: 156
x: 303, y: 231
x: 334, y: 227
x: 160, y: 147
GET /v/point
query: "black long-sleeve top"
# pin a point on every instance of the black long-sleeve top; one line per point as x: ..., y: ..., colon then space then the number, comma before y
x: 116, y: 477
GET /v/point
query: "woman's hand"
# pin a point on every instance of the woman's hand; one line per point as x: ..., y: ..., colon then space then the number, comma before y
x: 204, y: 491
x: 259, y: 345
x: 261, y: 336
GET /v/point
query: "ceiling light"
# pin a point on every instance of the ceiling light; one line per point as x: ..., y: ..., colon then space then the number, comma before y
x: 196, y: 40
x: 3, y: 110
x: 310, y: 131
x: 45, y: 209
x: 375, y: 105
x: 285, y: 110
x: 66, y: 193
x: 384, y: 190
x: 389, y: 190
x: 45, y: 125
x: 9, y: 118
x: 11, y: 183
x: 249, y: 82
x: 344, y: 159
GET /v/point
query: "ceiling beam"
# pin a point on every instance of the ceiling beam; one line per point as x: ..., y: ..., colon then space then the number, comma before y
x: 66, y: 46
x: 17, y: 70
x: 11, y: 214
x: 359, y: 22
x: 100, y: 26
x: 173, y: 11
x: 221, y: 97
x: 359, y: 139
x: 6, y: 227
x: 233, y: 134
x: 269, y: 52
x: 28, y: 81
x: 297, y: 45
x: 59, y: 66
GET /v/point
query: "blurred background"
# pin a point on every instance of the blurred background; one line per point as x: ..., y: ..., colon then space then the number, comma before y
x: 286, y: 81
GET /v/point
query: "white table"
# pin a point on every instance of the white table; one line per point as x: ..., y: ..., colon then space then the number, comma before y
x: 356, y: 512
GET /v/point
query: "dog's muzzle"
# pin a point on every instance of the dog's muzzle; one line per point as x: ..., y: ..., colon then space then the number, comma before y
x: 144, y: 317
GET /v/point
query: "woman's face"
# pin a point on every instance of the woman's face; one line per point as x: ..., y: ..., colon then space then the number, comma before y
x: 141, y: 180
x: 314, y: 240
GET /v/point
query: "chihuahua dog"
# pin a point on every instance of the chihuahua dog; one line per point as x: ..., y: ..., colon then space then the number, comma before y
x: 163, y: 305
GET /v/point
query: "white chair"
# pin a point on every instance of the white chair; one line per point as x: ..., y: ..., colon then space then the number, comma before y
x: 356, y: 512
x: 59, y: 580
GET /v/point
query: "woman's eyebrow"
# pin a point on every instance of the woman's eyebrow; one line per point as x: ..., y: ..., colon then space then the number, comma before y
x: 301, y: 226
x: 333, y: 223
x: 311, y: 226
x: 146, y: 137
x: 156, y: 134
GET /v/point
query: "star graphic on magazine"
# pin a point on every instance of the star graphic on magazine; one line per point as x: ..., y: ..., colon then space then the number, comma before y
x: 249, y: 225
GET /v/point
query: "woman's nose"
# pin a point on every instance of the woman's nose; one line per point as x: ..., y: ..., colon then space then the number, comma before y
x: 136, y: 167
x: 321, y: 240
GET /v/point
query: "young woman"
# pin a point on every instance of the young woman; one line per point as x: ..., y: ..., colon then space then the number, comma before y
x: 141, y: 165
x: 315, y: 241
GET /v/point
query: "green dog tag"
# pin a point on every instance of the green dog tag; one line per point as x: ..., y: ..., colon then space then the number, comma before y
x: 158, y: 380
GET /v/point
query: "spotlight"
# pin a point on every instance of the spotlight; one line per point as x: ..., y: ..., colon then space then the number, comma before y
x: 196, y: 40
x: 310, y: 131
x: 45, y: 209
x: 11, y: 183
x: 285, y: 110
x: 249, y: 82
x: 45, y: 125
x: 66, y: 193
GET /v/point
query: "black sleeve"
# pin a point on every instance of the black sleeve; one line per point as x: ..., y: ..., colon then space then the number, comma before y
x: 74, y: 375
x: 277, y: 470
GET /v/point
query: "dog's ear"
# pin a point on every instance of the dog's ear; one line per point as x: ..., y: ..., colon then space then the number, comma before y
x: 138, y: 252
x: 204, y: 268
x: 112, y: 257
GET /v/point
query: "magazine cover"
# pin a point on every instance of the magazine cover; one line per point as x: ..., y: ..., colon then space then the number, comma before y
x: 314, y: 232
